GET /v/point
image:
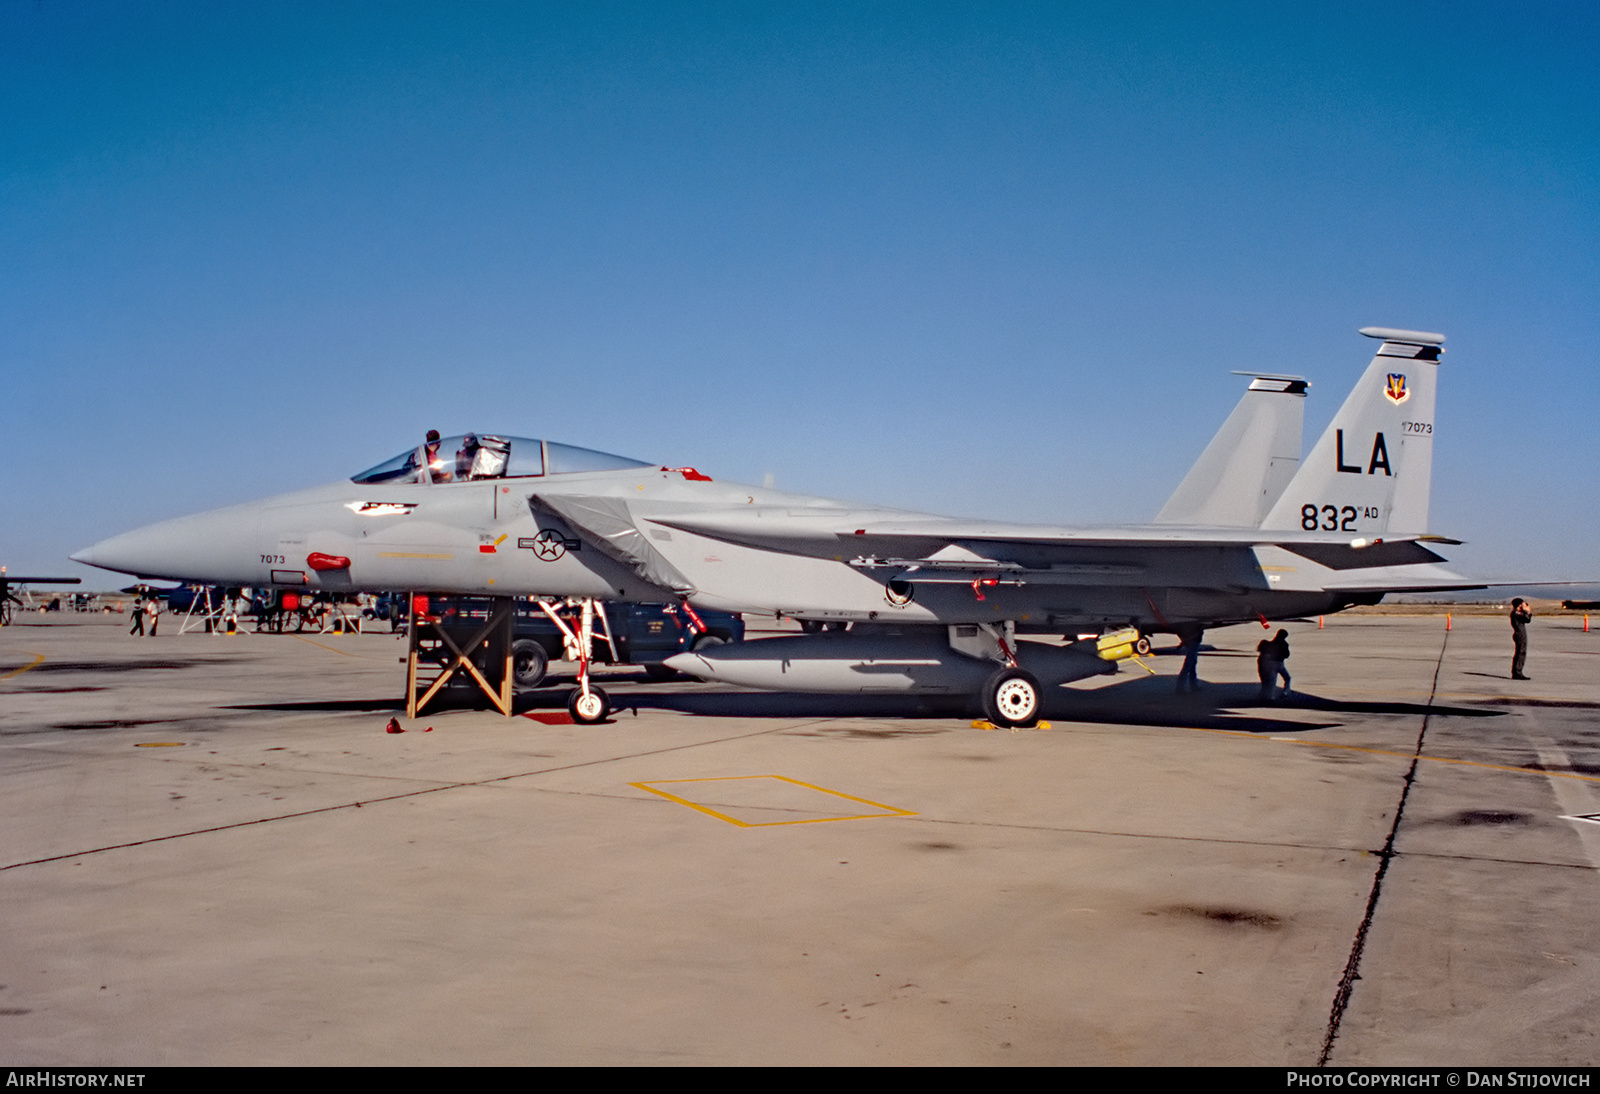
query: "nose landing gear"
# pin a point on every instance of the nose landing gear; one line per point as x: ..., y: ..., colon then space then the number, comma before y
x: 587, y: 704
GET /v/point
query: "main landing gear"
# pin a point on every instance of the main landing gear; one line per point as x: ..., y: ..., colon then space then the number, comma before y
x: 1011, y: 698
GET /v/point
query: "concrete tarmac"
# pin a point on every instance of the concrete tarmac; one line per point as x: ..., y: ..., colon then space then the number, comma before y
x: 212, y: 853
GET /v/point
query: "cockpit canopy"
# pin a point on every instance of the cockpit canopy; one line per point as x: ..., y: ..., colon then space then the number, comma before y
x: 473, y: 456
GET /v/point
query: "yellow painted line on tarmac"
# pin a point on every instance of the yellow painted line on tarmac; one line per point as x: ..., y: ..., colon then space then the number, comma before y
x: 889, y: 810
x: 38, y: 659
x: 1403, y: 755
x: 159, y: 744
x: 319, y: 645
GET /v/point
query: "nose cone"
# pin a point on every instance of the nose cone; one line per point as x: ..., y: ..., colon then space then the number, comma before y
x: 209, y: 547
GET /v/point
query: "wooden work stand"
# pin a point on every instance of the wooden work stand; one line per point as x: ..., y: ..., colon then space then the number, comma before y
x: 436, y: 648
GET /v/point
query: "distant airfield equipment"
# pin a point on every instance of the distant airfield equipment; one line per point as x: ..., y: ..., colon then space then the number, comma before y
x: 10, y: 601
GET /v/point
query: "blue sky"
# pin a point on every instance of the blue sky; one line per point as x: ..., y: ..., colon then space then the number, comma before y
x: 979, y: 259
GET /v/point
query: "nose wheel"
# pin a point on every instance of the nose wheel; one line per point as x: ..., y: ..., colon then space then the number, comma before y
x: 1011, y: 698
x: 589, y: 706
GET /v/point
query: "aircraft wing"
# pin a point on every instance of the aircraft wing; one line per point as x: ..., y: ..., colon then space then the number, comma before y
x: 922, y: 540
x: 936, y: 552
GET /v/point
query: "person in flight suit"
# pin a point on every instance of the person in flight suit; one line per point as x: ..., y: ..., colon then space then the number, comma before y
x: 1271, y: 653
x: 1520, y: 614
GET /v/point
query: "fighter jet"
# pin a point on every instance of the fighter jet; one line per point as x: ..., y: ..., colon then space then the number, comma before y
x: 935, y: 604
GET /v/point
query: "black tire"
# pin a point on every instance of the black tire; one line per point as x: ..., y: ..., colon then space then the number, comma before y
x: 1142, y: 647
x: 1011, y: 698
x: 706, y: 641
x: 528, y: 664
x: 810, y: 626
x: 595, y: 711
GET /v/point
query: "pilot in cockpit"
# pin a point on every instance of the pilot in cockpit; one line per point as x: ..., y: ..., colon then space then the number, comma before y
x: 433, y: 469
x: 437, y: 471
x: 466, y: 457
x: 482, y: 457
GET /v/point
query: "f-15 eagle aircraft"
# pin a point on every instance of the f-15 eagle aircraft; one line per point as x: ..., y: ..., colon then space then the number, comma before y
x: 937, y: 603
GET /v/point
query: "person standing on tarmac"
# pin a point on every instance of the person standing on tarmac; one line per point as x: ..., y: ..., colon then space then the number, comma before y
x: 1520, y: 614
x: 1189, y: 674
x: 137, y: 619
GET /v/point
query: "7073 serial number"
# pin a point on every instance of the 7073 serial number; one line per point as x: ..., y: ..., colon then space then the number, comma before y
x: 1332, y: 518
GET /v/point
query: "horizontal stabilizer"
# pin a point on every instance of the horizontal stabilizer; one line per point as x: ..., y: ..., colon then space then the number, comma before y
x: 1342, y: 556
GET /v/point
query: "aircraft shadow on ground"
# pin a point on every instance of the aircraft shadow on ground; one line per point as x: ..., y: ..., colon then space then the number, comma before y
x: 1146, y: 702
x: 328, y: 706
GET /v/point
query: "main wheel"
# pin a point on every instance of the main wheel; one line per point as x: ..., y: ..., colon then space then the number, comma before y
x: 589, y: 709
x: 1011, y: 698
x: 706, y: 641
x: 528, y: 661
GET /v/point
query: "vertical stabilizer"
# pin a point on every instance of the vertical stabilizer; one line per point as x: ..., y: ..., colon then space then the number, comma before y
x: 1371, y: 471
x: 1248, y: 463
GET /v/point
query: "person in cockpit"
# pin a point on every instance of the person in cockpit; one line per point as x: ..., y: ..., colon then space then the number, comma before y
x: 433, y: 468
x: 466, y: 456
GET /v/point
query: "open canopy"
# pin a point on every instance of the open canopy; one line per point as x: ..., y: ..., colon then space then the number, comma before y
x: 471, y: 456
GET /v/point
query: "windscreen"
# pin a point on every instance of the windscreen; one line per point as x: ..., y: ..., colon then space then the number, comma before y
x: 470, y: 457
x: 464, y: 458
